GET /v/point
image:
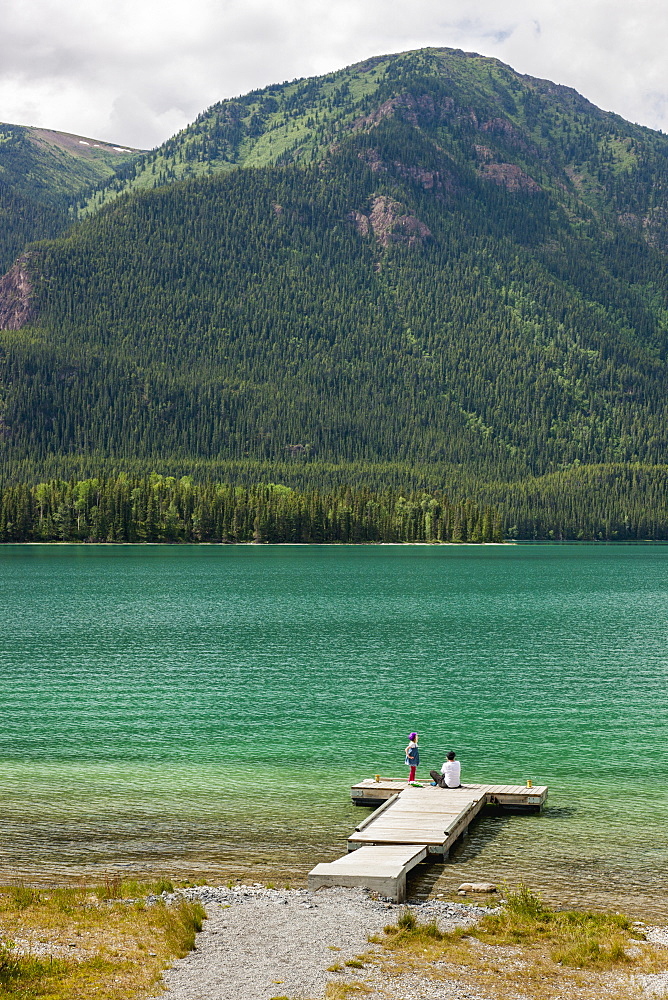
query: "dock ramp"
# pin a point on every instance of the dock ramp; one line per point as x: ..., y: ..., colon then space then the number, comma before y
x: 382, y: 868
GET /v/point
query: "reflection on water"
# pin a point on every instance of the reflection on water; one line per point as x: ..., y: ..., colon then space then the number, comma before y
x: 204, y: 710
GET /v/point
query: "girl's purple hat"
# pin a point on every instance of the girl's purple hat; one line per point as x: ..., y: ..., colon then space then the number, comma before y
x: 411, y: 736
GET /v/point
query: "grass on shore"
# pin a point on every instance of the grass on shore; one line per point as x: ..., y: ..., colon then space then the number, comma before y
x: 69, y: 943
x: 525, y: 950
x: 570, y: 938
x: 577, y: 939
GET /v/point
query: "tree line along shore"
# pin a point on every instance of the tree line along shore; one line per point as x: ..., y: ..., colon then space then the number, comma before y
x: 166, y: 509
x: 602, y: 503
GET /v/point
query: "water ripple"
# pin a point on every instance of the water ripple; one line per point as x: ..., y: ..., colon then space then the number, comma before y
x: 180, y: 708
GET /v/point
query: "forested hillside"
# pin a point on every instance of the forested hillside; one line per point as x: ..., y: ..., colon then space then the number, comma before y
x: 43, y: 175
x: 423, y: 273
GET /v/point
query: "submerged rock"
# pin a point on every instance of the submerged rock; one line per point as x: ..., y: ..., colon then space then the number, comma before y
x: 477, y: 887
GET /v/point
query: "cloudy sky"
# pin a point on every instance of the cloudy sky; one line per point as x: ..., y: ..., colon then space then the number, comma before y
x: 135, y: 71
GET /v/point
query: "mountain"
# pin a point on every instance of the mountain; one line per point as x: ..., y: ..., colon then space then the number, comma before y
x: 42, y: 176
x: 475, y: 105
x: 425, y: 269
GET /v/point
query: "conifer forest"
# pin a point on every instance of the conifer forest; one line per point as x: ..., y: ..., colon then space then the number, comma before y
x: 424, y: 299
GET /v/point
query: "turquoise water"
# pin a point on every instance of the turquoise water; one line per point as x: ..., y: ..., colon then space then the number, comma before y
x: 203, y: 710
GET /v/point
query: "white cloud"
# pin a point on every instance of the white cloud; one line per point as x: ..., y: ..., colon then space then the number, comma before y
x: 137, y: 70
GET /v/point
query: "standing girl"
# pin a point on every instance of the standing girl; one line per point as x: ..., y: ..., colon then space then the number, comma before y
x: 412, y: 756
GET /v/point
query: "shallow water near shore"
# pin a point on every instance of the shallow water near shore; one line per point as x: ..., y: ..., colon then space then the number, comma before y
x: 203, y: 710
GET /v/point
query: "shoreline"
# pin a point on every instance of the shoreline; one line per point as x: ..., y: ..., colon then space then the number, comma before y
x: 506, y: 544
x: 430, y: 883
x: 295, y: 545
x: 543, y: 542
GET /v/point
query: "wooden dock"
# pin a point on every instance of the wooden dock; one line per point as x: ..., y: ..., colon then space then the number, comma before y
x: 409, y: 824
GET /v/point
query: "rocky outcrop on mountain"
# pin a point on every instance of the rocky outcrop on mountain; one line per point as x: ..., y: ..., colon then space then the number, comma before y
x: 16, y: 296
x: 509, y: 176
x: 389, y: 223
x: 430, y: 180
x: 360, y: 221
x: 416, y: 110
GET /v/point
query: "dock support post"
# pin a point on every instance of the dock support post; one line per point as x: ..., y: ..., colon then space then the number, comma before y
x: 401, y: 890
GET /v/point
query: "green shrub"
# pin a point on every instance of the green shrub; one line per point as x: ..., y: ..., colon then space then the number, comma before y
x: 577, y: 939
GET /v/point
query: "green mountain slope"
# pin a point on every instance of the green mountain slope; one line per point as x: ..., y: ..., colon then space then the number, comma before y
x: 478, y: 109
x: 43, y: 175
x: 447, y: 274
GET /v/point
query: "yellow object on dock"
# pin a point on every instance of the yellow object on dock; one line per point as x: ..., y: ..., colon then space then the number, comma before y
x: 410, y: 823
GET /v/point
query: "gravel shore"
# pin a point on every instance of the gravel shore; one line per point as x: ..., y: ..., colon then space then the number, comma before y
x: 260, y: 943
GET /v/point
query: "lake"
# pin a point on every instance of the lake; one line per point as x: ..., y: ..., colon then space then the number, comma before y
x: 202, y: 711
